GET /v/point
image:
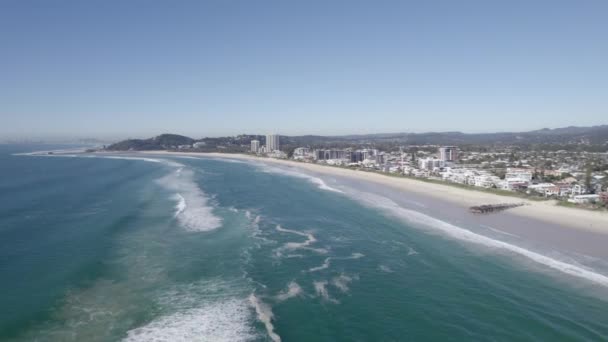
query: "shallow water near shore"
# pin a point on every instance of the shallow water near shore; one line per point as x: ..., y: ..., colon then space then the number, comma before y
x: 182, y: 249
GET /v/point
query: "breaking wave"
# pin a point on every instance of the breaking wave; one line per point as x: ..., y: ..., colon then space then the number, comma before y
x: 315, y: 180
x: 192, y: 209
x: 222, y: 321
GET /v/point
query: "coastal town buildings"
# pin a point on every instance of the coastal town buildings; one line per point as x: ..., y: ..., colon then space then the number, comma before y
x: 560, y: 175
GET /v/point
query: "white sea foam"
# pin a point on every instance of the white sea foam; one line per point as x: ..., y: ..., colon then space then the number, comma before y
x: 292, y: 173
x: 356, y: 256
x: 341, y: 282
x: 291, y: 246
x: 385, y: 268
x: 192, y: 209
x: 411, y: 251
x: 265, y: 315
x: 222, y: 321
x: 327, y: 261
x: 323, y: 266
x: 146, y: 159
x: 181, y: 204
x: 293, y: 290
x: 459, y: 233
x: 321, y: 290
x: 294, y: 256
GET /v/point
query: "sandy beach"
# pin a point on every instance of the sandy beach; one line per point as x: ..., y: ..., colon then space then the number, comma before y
x: 546, y: 211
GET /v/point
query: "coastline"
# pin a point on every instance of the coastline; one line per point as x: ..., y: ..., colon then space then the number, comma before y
x: 546, y: 211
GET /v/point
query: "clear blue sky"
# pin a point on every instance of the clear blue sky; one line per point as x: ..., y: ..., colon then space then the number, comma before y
x: 136, y: 68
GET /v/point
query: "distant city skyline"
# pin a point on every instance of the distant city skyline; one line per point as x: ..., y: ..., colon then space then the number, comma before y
x: 111, y: 70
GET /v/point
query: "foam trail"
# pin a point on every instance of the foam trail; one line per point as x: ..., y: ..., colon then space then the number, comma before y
x: 310, y: 239
x: 265, y: 316
x: 355, y: 256
x: 323, y: 266
x: 321, y: 290
x: 469, y: 236
x: 327, y: 261
x: 341, y: 282
x: 385, y: 268
x: 293, y: 290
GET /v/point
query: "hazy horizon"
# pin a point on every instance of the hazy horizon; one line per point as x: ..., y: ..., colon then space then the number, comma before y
x: 115, y: 70
x: 115, y: 138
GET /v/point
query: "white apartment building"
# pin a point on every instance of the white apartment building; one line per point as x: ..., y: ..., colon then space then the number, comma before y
x: 429, y: 163
x: 524, y: 175
x: 255, y: 146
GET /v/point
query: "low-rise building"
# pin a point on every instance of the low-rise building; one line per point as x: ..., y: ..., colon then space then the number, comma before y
x: 582, y: 199
x: 429, y: 163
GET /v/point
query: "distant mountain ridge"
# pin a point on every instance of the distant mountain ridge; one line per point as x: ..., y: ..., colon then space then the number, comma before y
x: 594, y: 135
x: 161, y: 142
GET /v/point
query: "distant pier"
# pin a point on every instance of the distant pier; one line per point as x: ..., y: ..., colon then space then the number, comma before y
x: 493, y: 208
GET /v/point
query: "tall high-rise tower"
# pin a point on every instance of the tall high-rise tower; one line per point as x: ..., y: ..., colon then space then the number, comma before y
x: 448, y: 153
x: 272, y: 142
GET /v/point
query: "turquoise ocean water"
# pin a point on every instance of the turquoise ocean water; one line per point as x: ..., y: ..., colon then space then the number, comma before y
x: 183, y: 249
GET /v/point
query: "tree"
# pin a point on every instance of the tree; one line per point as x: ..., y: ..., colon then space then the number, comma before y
x: 588, y: 177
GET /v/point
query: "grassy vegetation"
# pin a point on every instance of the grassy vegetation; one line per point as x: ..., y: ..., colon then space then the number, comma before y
x: 590, y: 207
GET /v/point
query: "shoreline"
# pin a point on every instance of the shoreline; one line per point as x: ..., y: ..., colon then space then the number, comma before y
x: 546, y: 211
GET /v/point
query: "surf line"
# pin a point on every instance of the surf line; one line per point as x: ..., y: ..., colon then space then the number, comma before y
x: 455, y: 232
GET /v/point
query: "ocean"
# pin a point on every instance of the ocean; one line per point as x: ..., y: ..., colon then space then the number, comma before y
x: 167, y: 248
